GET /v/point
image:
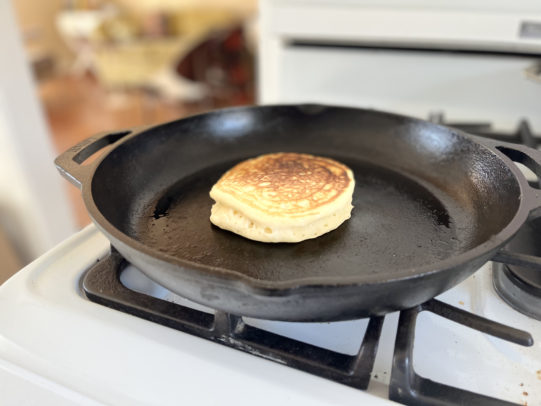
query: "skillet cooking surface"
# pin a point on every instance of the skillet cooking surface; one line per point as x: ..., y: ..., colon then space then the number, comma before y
x: 395, y: 221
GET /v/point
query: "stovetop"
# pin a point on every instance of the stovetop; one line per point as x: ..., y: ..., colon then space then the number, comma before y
x: 59, y: 347
x: 56, y: 344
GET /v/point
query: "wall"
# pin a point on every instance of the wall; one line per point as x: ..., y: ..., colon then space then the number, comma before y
x: 38, y: 18
x: 149, y: 5
x: 33, y: 206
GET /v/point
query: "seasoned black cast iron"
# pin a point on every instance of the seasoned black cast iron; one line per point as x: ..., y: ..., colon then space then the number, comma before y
x: 432, y: 204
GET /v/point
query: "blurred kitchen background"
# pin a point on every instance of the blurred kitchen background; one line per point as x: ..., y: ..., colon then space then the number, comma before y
x: 72, y: 68
x: 110, y: 64
x: 98, y: 65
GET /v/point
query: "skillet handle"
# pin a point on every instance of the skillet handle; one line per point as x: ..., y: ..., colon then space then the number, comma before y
x: 69, y: 163
x: 529, y: 157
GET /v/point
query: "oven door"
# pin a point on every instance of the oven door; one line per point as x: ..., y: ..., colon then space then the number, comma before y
x: 470, y: 86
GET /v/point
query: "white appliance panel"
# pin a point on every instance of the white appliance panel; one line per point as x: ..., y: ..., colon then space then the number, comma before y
x: 466, y: 87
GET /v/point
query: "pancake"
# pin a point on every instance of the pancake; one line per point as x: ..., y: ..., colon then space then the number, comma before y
x: 283, y: 197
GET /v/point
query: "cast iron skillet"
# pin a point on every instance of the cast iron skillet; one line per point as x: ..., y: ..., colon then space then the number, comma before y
x: 432, y: 204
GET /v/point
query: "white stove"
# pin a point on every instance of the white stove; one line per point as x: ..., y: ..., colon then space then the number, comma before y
x: 475, y: 62
x: 57, y: 347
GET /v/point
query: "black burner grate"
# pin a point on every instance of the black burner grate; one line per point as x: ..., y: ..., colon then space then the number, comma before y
x: 411, y: 389
x: 102, y: 285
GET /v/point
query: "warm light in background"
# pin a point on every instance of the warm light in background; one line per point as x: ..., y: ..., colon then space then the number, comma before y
x: 110, y: 64
x: 103, y: 65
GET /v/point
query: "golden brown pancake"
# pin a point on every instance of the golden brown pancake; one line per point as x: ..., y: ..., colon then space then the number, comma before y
x: 283, y: 197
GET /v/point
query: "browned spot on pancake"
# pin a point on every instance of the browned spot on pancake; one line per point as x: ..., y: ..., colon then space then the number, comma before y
x: 286, y: 183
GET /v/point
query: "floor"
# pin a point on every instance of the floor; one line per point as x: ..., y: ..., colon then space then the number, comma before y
x: 78, y: 107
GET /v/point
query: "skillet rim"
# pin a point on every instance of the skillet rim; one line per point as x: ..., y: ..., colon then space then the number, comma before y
x: 243, y: 282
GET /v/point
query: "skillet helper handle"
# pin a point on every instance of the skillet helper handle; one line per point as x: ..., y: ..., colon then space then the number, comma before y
x: 69, y: 163
x: 531, y: 158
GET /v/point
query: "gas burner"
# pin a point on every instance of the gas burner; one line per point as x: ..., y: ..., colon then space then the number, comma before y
x: 518, y: 282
